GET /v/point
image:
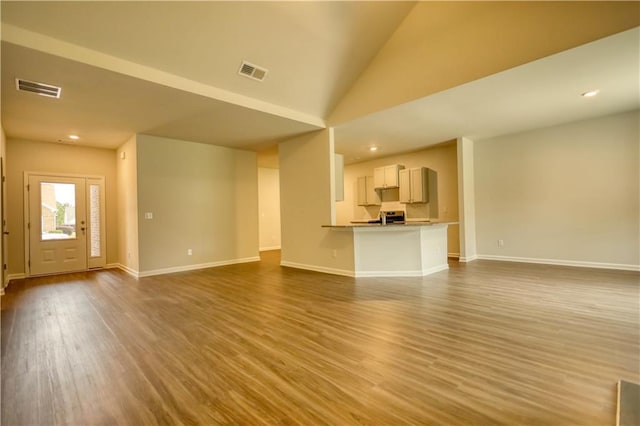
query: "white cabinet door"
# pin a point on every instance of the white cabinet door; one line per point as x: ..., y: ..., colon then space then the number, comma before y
x: 387, y: 176
x: 367, y: 195
x: 373, y: 197
x: 391, y: 176
x: 419, y: 186
x: 362, y: 191
x: 378, y: 177
x: 414, y: 186
x: 405, y: 186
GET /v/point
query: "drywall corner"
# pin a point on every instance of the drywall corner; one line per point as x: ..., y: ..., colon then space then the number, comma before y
x: 127, y: 182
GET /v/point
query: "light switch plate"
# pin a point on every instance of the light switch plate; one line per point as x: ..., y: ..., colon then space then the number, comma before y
x: 148, y: 215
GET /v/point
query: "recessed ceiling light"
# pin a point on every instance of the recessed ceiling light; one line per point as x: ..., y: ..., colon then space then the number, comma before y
x: 74, y: 137
x: 373, y: 148
x: 590, y: 93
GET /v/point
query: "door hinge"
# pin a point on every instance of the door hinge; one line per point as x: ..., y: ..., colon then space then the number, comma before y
x: 4, y: 266
x: 28, y: 187
x: 29, y: 225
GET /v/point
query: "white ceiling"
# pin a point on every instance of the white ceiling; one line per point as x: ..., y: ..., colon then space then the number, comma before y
x: 107, y: 108
x: 170, y: 69
x: 314, y: 51
x: 539, y: 94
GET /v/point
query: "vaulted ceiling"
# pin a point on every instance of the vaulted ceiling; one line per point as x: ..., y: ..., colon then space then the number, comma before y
x: 171, y: 69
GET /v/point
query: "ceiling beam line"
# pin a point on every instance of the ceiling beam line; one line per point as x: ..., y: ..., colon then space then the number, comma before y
x: 41, y: 43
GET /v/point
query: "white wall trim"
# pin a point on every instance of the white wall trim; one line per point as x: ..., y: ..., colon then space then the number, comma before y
x: 416, y: 273
x: 562, y: 262
x: 19, y: 276
x: 469, y: 259
x: 197, y: 266
x: 316, y: 268
x: 270, y: 248
x: 365, y: 274
x: 454, y: 255
x: 128, y: 270
x: 111, y: 266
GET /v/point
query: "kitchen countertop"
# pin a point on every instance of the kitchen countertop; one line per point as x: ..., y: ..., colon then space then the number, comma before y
x: 379, y: 225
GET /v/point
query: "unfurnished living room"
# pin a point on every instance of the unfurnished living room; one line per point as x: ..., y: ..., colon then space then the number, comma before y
x: 320, y: 212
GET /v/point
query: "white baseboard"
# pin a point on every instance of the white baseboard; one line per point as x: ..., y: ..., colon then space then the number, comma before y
x: 19, y: 276
x: 416, y: 273
x: 197, y: 266
x: 469, y: 258
x: 10, y: 277
x: 317, y: 268
x: 454, y: 255
x: 364, y: 274
x: 111, y: 266
x: 562, y: 262
x: 128, y: 270
x: 270, y: 248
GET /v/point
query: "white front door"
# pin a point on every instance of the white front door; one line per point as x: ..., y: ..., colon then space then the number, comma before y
x: 57, y: 224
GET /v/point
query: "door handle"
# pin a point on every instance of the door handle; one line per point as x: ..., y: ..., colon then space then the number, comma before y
x: 6, y: 232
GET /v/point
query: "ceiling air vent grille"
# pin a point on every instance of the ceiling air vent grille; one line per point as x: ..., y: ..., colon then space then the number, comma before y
x: 38, y: 88
x: 252, y: 71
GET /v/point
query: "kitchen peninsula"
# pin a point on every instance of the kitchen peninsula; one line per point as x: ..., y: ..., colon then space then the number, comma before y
x: 397, y: 250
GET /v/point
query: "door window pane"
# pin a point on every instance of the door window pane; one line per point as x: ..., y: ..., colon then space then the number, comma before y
x: 57, y: 210
x: 94, y: 220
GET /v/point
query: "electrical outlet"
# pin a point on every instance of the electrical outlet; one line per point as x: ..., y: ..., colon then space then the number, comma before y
x: 500, y: 243
x: 189, y: 252
x: 148, y: 215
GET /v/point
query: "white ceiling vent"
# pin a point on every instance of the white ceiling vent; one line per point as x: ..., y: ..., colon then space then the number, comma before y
x: 252, y: 71
x: 38, y: 88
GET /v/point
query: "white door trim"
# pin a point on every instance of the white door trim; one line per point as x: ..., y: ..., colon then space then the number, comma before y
x: 26, y: 218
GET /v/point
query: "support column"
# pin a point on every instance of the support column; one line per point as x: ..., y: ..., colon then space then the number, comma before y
x: 466, y: 200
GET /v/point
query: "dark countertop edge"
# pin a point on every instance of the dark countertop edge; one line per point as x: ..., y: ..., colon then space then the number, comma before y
x: 378, y: 225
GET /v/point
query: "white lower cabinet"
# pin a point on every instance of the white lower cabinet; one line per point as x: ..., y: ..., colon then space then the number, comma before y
x: 414, y: 185
x: 367, y: 195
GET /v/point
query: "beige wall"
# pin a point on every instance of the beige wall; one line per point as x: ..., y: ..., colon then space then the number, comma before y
x: 269, y: 208
x: 33, y: 156
x: 441, y: 45
x: 441, y: 158
x: 307, y: 203
x: 564, y: 193
x: 202, y: 197
x: 127, y: 172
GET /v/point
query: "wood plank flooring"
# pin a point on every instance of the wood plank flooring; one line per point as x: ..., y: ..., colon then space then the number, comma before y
x: 482, y: 343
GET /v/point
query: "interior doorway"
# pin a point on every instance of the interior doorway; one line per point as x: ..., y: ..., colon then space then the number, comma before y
x: 65, y: 226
